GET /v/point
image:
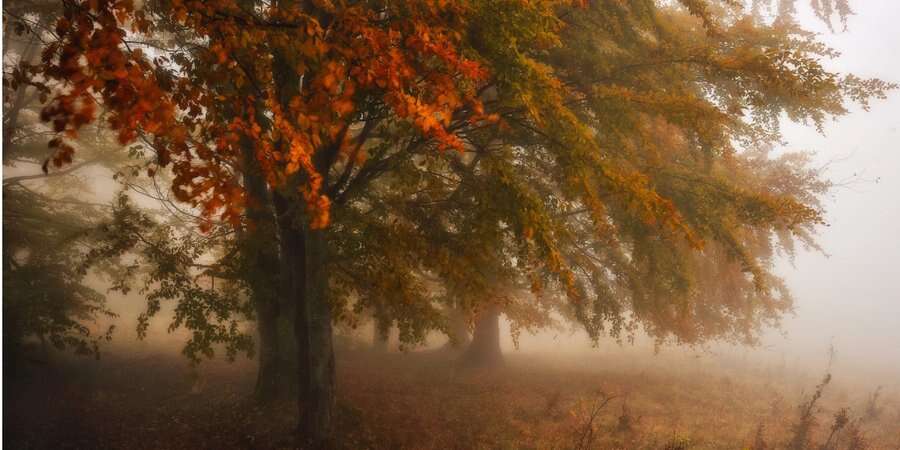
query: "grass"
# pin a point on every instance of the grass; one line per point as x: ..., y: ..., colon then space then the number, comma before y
x: 145, y: 400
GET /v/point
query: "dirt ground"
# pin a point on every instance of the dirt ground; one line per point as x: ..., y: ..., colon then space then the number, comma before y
x: 146, y: 400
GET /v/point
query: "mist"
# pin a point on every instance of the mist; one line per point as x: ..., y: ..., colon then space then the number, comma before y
x: 184, y: 269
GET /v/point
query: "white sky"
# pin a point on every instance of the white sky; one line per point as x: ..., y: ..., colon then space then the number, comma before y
x: 853, y: 296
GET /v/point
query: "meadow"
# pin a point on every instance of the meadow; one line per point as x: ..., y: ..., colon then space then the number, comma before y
x: 150, y: 399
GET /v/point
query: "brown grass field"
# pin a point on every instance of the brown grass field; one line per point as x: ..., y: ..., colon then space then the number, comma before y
x: 423, y: 400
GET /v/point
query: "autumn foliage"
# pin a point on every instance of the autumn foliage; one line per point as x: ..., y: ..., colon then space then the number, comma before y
x: 608, y: 163
x: 181, y: 102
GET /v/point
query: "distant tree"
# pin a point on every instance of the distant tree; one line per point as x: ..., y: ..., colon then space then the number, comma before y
x: 44, y: 296
x: 683, y: 115
x: 47, y: 229
x: 583, y: 151
x: 55, y: 238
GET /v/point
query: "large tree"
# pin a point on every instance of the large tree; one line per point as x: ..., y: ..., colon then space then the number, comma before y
x: 593, y: 153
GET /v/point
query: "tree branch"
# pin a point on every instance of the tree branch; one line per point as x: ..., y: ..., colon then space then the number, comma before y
x: 67, y: 171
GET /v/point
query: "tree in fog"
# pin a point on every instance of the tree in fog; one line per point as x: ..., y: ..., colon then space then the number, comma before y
x: 684, y: 114
x: 589, y: 159
x: 48, y: 228
x: 56, y: 235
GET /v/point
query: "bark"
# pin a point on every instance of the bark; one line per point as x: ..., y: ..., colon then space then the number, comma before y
x: 457, y: 330
x: 484, y: 351
x: 381, y: 336
x: 318, y: 420
x: 381, y: 328
x: 269, y: 374
x: 304, y: 264
x: 260, y: 266
x: 304, y: 269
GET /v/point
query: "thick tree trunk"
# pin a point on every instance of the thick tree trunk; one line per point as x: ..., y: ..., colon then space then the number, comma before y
x: 381, y: 336
x: 317, y: 420
x: 484, y: 351
x: 260, y: 265
x: 381, y: 328
x: 304, y: 261
x: 269, y: 375
x: 457, y: 330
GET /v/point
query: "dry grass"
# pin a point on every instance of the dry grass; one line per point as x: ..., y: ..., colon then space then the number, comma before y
x: 424, y: 401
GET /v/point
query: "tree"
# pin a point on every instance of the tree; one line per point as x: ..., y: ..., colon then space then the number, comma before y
x: 582, y: 151
x: 44, y: 295
x: 307, y: 129
x: 47, y: 229
x: 55, y: 238
x: 681, y: 105
x: 683, y: 146
x: 257, y: 272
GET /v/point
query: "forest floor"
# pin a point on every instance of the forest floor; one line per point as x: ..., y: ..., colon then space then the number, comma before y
x: 145, y: 400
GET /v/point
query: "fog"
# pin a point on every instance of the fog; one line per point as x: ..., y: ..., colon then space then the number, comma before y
x: 851, y: 297
x: 848, y: 296
x: 846, y: 318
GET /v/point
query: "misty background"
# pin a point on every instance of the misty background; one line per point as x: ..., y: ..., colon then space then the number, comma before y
x: 852, y: 296
x: 847, y: 299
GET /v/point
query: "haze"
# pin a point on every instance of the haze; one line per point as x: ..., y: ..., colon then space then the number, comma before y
x: 552, y: 388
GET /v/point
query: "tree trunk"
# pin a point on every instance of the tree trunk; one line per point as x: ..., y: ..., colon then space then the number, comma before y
x: 268, y: 375
x: 317, y: 421
x: 381, y: 336
x: 381, y: 324
x: 457, y: 330
x: 304, y: 259
x: 260, y: 264
x: 484, y: 351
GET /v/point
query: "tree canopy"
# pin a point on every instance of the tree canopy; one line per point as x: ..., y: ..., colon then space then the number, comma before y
x: 607, y: 160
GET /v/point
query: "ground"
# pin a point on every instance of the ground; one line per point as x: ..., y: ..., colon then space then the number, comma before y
x: 153, y: 400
